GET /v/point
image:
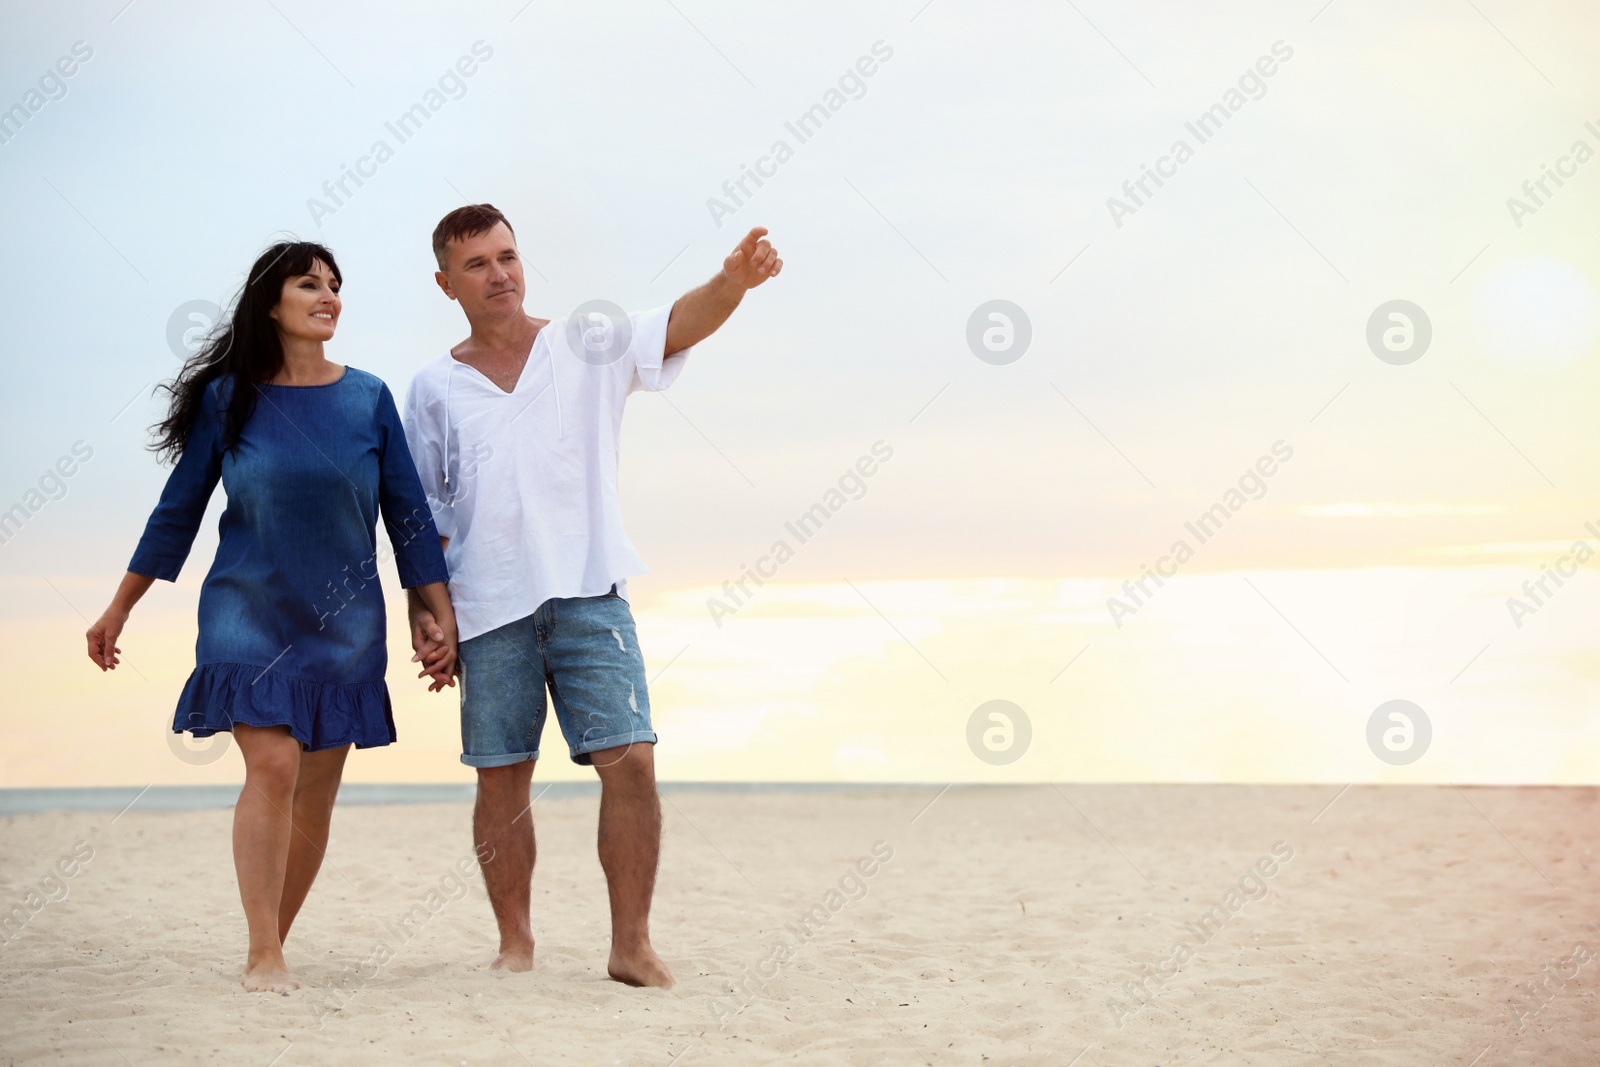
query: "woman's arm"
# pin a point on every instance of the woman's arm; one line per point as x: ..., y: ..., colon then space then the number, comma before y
x: 170, y: 531
x: 103, y: 634
x: 427, y: 639
x: 418, y: 548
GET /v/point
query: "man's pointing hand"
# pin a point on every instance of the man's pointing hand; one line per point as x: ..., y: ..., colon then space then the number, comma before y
x: 753, y: 261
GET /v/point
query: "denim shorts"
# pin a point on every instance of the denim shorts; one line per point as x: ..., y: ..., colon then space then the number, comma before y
x: 585, y: 650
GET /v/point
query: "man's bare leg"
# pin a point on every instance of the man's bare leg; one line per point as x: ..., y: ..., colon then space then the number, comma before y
x: 315, y: 790
x: 261, y: 830
x: 630, y: 847
x: 502, y: 831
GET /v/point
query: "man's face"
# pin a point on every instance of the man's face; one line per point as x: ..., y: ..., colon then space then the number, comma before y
x: 484, y: 274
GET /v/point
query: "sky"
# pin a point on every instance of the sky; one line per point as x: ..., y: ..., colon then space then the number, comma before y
x: 1353, y: 318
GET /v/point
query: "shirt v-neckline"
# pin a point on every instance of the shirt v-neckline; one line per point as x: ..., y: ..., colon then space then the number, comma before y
x: 521, y: 374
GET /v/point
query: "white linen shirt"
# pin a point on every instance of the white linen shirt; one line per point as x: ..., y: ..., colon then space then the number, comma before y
x: 524, y: 484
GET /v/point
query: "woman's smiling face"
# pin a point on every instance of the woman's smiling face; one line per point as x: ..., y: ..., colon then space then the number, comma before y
x: 308, y: 308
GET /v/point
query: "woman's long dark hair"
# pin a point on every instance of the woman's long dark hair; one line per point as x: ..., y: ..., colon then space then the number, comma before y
x: 245, y: 350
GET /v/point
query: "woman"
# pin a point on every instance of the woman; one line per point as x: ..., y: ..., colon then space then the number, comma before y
x: 291, y: 653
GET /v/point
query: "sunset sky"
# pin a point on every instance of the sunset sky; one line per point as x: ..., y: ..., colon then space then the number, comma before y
x: 1183, y: 341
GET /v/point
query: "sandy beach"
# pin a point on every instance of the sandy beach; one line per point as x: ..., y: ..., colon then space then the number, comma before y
x: 1087, y: 925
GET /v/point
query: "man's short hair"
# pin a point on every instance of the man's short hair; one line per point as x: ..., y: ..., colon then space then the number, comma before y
x: 462, y: 223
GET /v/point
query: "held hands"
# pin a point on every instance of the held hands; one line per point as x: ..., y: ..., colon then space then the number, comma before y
x: 435, y: 649
x: 753, y: 261
x: 102, y: 637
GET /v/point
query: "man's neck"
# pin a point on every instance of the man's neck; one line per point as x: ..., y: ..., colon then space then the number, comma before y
x: 508, y: 338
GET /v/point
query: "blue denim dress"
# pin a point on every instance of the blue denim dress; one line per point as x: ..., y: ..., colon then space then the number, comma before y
x: 292, y: 621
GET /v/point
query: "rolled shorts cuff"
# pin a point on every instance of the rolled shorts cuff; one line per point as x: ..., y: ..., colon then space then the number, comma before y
x: 580, y: 755
x: 505, y: 759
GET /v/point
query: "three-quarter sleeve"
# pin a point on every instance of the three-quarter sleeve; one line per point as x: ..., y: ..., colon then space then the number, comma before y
x: 170, y: 533
x: 650, y: 368
x: 406, y: 512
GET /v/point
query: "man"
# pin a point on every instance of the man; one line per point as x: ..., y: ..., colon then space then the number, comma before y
x: 515, y: 434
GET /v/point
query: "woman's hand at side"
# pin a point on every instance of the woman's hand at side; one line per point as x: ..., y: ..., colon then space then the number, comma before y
x: 102, y: 636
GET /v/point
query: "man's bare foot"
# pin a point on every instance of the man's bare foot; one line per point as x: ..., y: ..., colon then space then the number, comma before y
x: 269, y: 975
x: 514, y: 957
x: 639, y: 967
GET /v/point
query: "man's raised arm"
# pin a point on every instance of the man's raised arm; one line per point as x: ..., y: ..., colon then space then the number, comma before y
x: 698, y: 313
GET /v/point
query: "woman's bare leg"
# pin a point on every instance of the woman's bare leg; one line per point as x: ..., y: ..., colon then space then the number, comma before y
x: 314, y: 793
x: 261, y: 830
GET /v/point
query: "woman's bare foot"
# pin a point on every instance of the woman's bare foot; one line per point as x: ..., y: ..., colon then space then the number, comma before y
x: 517, y: 956
x: 269, y: 974
x: 639, y: 967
